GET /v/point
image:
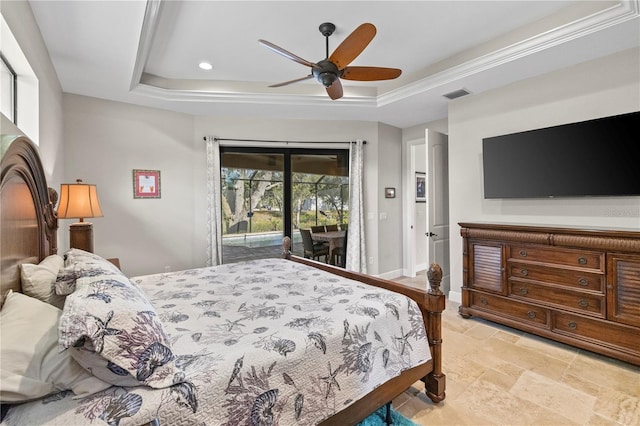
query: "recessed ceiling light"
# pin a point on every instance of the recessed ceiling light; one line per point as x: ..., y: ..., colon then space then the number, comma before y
x: 205, y: 66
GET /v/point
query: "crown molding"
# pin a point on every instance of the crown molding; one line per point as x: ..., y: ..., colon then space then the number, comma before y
x: 248, y: 97
x: 617, y: 14
x: 614, y: 15
x: 149, y: 25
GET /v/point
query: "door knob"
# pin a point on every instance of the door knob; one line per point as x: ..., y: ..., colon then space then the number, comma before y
x: 430, y: 234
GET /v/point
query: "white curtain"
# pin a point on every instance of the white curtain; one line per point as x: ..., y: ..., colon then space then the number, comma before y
x: 356, y: 256
x: 214, y: 204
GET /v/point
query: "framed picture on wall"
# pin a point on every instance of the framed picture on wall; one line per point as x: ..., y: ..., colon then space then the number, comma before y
x: 421, y: 187
x: 146, y: 183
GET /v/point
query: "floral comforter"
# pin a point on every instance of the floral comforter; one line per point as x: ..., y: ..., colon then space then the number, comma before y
x: 265, y: 342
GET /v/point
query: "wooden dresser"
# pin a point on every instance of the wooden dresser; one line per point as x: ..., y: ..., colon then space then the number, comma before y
x: 577, y: 286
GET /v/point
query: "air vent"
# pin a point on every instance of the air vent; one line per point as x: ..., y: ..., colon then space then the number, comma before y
x: 456, y: 94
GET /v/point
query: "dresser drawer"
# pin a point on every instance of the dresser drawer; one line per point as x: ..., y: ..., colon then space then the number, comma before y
x: 584, y: 303
x: 597, y: 332
x: 565, y: 257
x: 581, y: 280
x: 523, y: 312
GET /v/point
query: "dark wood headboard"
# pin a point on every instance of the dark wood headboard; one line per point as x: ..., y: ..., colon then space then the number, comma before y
x: 28, y: 222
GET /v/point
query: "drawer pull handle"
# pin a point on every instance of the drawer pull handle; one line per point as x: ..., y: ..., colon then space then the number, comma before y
x: 583, y: 281
x: 582, y: 260
x: 523, y: 291
x: 583, y: 303
x: 572, y: 325
x: 483, y: 301
x: 523, y: 253
x: 531, y: 314
x: 524, y: 272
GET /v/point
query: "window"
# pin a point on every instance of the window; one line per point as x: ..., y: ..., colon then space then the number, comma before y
x: 320, y: 189
x: 19, y: 87
x: 8, y: 85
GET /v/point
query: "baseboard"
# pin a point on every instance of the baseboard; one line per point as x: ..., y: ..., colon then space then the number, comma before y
x: 455, y: 296
x: 420, y: 267
x: 391, y: 274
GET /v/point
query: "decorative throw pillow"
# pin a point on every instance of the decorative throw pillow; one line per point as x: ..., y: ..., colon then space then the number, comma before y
x: 65, y: 281
x: 32, y: 366
x: 112, y: 330
x: 39, y: 280
x: 79, y: 263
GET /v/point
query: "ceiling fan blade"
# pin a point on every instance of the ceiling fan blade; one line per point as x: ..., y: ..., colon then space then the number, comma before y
x: 335, y: 90
x: 286, y: 54
x: 292, y: 81
x: 353, y: 45
x: 370, y: 73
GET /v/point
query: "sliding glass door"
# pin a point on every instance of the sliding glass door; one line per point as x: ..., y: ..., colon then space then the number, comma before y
x: 268, y: 193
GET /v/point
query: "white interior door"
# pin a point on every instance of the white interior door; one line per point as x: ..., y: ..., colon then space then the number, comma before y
x: 414, y: 239
x: 421, y: 248
x: 437, y: 209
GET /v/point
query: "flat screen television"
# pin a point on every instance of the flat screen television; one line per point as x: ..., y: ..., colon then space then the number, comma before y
x: 591, y: 158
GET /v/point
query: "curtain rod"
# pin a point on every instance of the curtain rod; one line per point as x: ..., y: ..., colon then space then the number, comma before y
x: 275, y: 141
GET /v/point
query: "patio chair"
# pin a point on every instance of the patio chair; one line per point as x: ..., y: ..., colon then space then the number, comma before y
x: 339, y: 254
x: 313, y: 250
x: 330, y: 228
x: 238, y: 227
x: 319, y: 228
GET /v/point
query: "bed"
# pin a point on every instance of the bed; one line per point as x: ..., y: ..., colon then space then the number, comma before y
x: 274, y: 341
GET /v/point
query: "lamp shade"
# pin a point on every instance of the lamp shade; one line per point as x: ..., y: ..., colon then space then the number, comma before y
x: 78, y: 200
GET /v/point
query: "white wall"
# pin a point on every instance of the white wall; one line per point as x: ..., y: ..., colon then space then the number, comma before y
x: 389, y: 217
x: 106, y: 140
x: 21, y: 21
x: 599, y: 88
x: 417, y: 131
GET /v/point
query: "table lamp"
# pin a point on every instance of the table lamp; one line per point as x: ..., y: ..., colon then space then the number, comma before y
x: 79, y: 200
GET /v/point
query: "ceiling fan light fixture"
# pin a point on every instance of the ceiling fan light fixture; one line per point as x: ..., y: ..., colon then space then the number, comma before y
x: 332, y: 69
x: 326, y: 73
x: 327, y: 78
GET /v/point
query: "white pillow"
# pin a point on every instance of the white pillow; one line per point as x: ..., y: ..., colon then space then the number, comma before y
x: 39, y: 280
x: 32, y: 366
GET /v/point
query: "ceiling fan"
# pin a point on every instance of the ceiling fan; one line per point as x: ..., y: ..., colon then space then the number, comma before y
x: 330, y: 70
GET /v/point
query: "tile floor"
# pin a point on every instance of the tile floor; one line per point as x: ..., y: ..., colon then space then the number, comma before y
x: 497, y: 375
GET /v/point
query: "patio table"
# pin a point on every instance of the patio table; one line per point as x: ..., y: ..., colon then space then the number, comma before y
x: 334, y: 238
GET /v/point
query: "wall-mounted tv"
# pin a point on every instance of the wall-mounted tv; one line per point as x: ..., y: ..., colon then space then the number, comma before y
x: 591, y: 158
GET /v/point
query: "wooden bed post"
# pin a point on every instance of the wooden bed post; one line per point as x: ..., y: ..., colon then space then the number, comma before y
x: 435, y: 381
x: 286, y: 248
